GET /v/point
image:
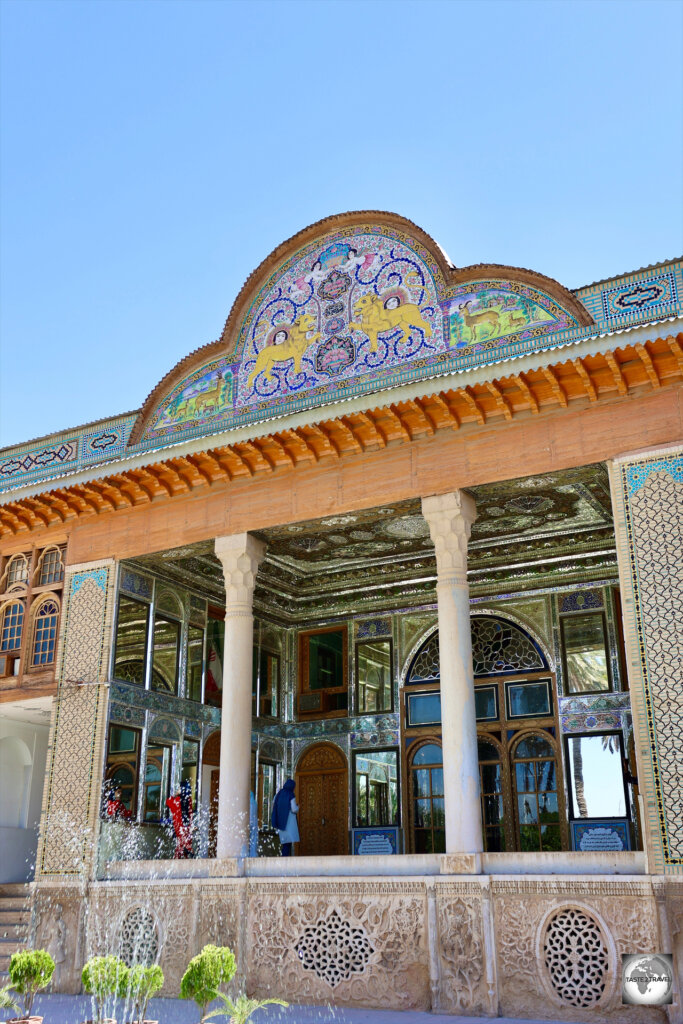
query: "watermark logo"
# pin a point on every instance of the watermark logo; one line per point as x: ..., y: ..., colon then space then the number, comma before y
x: 647, y: 979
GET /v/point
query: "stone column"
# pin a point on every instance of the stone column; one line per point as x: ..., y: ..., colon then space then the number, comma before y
x: 450, y: 518
x: 240, y: 556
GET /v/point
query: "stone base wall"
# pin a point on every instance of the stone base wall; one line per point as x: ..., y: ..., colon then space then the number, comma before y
x: 535, y: 946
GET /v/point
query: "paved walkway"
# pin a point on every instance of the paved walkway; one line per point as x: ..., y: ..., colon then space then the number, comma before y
x: 58, y: 1009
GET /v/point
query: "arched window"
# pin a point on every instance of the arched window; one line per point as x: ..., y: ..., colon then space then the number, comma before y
x: 12, y: 625
x: 50, y: 568
x: 427, y: 810
x: 45, y: 632
x: 499, y: 647
x: 534, y: 768
x: 492, y: 795
x: 17, y: 571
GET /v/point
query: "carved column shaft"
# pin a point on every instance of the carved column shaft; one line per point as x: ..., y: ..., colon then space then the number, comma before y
x: 450, y: 518
x: 240, y: 556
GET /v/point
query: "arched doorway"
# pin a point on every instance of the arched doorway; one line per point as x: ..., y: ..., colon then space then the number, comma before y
x: 322, y: 795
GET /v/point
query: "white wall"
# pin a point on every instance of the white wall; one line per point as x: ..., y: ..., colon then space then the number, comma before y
x: 23, y: 758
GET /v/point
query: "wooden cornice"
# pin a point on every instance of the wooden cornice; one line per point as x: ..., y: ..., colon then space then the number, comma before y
x: 549, y: 389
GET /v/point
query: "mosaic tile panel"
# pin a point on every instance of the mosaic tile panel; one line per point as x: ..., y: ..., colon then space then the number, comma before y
x: 581, y: 600
x: 368, y: 629
x: 341, y: 310
x: 649, y: 501
x: 67, y: 832
x: 66, y: 452
x: 587, y: 723
x: 610, y: 702
x: 124, y: 714
x: 654, y: 295
x: 71, y: 802
x: 62, y: 455
x: 134, y: 583
x: 103, y: 444
x: 633, y: 298
x: 130, y: 695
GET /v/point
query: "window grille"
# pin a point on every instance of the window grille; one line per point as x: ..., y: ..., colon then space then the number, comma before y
x: 51, y: 568
x: 12, y: 624
x: 17, y: 571
x: 45, y: 633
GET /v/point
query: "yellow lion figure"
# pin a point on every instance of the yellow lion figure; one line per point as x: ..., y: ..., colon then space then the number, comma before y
x: 293, y: 347
x: 374, y: 319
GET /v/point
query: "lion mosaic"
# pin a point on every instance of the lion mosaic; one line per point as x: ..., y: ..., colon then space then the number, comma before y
x: 296, y: 341
x: 374, y: 318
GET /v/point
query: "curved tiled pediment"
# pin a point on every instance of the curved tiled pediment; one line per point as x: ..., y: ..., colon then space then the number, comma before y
x: 352, y: 305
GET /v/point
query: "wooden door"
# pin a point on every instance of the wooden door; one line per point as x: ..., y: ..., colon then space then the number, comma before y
x: 322, y: 795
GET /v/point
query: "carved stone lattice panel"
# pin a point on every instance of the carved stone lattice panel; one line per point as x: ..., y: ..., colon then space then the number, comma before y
x: 632, y: 923
x: 390, y: 916
x: 575, y: 957
x: 334, y: 950
x: 461, y: 947
x: 174, y: 917
x: 219, y: 911
x: 58, y: 914
x: 139, y: 937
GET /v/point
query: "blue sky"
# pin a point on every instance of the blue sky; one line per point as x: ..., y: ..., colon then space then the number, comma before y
x: 154, y: 153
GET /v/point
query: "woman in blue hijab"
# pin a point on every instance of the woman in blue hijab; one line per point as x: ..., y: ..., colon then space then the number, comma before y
x: 283, y: 817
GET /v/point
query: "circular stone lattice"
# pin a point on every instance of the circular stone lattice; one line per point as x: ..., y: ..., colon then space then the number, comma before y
x: 334, y: 950
x: 139, y: 938
x: 576, y: 958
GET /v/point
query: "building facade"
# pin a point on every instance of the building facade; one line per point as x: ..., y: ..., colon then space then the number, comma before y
x: 411, y: 535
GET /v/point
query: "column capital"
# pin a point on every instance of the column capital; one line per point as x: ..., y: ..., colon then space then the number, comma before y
x: 450, y: 517
x: 240, y: 554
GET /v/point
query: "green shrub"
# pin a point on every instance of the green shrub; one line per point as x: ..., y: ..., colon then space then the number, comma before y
x: 206, y: 972
x: 103, y: 976
x: 29, y: 971
x: 140, y: 985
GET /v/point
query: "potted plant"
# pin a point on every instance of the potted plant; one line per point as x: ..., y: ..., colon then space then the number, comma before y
x: 205, y: 974
x: 141, y: 984
x: 29, y: 971
x: 242, y: 1009
x: 103, y: 977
